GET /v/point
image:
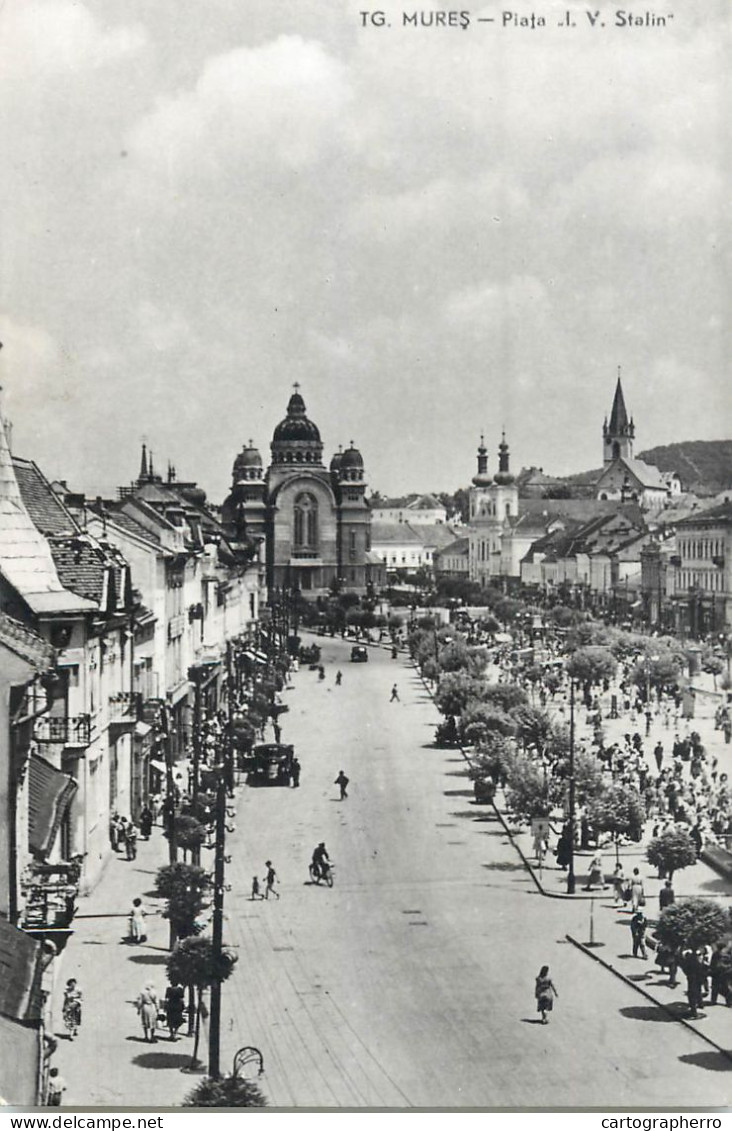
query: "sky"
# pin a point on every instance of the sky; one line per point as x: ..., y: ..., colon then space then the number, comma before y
x: 436, y: 231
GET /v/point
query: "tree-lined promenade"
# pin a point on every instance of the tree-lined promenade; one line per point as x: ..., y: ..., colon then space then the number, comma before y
x: 520, y: 721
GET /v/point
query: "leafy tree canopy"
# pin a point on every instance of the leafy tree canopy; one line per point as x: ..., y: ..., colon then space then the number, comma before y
x: 231, y: 1091
x: 692, y: 923
x: 672, y: 851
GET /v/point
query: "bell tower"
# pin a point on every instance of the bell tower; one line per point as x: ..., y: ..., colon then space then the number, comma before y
x: 617, y: 435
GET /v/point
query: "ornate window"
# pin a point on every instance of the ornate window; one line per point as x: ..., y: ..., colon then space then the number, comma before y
x: 306, y: 522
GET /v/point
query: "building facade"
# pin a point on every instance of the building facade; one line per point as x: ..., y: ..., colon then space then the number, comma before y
x: 315, y: 520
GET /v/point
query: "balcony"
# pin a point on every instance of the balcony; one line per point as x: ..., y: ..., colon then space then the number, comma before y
x: 69, y: 730
x: 125, y: 709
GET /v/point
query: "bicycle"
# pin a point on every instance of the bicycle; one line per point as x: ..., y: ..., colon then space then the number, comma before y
x: 324, y: 872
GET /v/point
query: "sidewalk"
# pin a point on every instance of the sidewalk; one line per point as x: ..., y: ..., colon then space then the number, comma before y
x: 109, y: 1063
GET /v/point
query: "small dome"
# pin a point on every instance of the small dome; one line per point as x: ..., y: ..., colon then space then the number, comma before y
x: 351, y: 457
x: 193, y: 494
x: 248, y: 457
x: 335, y: 463
x: 482, y: 479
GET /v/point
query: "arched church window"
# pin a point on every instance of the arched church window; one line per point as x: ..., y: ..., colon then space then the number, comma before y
x: 616, y: 450
x: 306, y: 522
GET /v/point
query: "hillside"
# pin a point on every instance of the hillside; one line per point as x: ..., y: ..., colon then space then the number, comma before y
x: 705, y: 466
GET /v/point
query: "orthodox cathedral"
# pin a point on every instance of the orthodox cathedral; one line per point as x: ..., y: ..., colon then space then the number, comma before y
x: 314, y: 520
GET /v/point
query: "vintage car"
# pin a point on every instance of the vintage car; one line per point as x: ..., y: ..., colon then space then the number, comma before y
x: 310, y: 655
x: 359, y: 654
x: 271, y: 764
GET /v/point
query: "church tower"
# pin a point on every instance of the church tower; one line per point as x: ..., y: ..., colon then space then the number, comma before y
x: 619, y: 433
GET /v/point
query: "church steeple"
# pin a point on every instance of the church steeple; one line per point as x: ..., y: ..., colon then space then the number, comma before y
x: 619, y: 433
x: 143, y: 463
x: 504, y: 476
x: 482, y: 478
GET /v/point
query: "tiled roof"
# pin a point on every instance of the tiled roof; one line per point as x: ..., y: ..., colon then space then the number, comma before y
x: 436, y: 534
x: 457, y: 546
x: 25, y: 643
x: 394, y: 533
x: 712, y: 517
x: 127, y: 522
x: 45, y: 508
x: 80, y: 566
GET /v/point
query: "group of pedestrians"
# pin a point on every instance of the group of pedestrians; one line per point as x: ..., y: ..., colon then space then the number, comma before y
x: 123, y: 834
x: 153, y: 1011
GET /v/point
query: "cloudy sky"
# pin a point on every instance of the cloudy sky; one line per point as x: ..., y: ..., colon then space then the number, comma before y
x: 434, y: 231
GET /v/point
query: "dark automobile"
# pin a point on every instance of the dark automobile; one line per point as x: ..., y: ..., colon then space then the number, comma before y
x: 359, y: 654
x: 271, y: 764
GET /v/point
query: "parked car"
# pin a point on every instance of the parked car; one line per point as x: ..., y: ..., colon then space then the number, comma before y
x: 271, y: 764
x: 359, y: 654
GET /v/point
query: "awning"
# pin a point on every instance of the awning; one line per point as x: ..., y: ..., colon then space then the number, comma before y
x: 20, y: 985
x: 49, y: 796
x: 159, y: 766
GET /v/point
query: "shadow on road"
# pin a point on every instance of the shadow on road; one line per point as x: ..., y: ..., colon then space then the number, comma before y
x: 149, y: 959
x: 712, y: 1061
x: 457, y: 793
x: 652, y: 1012
x: 503, y: 866
x: 162, y: 1060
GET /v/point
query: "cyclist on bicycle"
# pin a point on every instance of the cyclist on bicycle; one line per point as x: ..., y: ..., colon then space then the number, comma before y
x: 321, y: 861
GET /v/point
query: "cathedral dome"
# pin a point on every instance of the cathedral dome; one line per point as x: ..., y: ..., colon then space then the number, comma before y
x: 296, y: 425
x: 248, y: 464
x: 351, y: 458
x: 335, y: 463
x: 248, y: 457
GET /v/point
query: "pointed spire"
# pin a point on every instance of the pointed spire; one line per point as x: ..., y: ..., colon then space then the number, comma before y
x: 143, y: 462
x: 503, y: 453
x: 150, y: 472
x: 619, y: 414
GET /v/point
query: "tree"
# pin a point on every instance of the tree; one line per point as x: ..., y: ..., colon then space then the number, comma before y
x: 194, y: 963
x: 480, y: 719
x: 591, y: 665
x: 589, y: 784
x: 692, y: 923
x: 658, y: 670
x: 506, y: 696
x: 672, y: 851
x: 619, y: 810
x: 185, y: 886
x: 589, y: 634
x: 454, y: 692
x: 190, y: 834
x: 528, y: 793
x: 231, y: 1091
x: 493, y: 756
x: 533, y: 726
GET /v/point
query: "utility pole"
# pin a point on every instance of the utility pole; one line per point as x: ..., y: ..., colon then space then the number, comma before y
x: 169, y: 784
x: 196, y: 743
x: 217, y: 935
x: 570, y: 873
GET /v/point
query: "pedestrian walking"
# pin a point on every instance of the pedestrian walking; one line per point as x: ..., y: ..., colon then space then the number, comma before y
x: 637, y: 891
x: 666, y: 896
x: 114, y: 832
x: 638, y: 927
x: 146, y: 823
x: 138, y: 929
x: 339, y: 678
x: 620, y: 883
x: 342, y: 782
x: 256, y: 891
x: 695, y: 972
x: 147, y: 1007
x: 71, y: 1008
x: 56, y: 1088
x: 270, y: 880
x: 545, y: 991
x: 295, y: 769
x: 174, y: 1009
x: 658, y: 755
x: 395, y: 695
x: 719, y: 965
x: 130, y: 841
x: 597, y: 874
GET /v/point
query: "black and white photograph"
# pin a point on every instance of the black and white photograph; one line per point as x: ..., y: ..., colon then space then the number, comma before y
x: 365, y: 556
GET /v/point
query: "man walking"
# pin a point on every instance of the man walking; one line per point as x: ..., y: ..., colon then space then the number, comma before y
x: 638, y: 925
x: 295, y: 773
x: 270, y: 880
x: 395, y: 695
x: 342, y: 782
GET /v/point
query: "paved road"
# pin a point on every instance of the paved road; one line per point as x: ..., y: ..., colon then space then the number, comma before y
x: 410, y: 983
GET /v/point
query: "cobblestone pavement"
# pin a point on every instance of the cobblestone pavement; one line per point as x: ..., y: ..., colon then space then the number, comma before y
x: 410, y: 982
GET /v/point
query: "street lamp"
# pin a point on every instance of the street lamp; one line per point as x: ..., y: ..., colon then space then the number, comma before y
x: 571, y: 882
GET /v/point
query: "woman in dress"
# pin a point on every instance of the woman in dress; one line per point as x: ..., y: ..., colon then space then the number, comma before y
x: 545, y: 993
x: 147, y: 1008
x: 138, y: 930
x: 174, y: 1005
x: 71, y: 1009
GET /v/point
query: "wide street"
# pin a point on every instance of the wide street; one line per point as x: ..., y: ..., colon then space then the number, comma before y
x: 410, y: 983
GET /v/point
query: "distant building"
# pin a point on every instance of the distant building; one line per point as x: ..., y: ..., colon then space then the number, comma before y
x: 315, y: 520
x: 417, y: 510
x: 624, y: 478
x: 703, y: 571
x: 452, y: 562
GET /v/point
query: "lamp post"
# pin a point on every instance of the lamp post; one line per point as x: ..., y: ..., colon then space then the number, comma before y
x: 214, y: 1034
x: 571, y: 882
